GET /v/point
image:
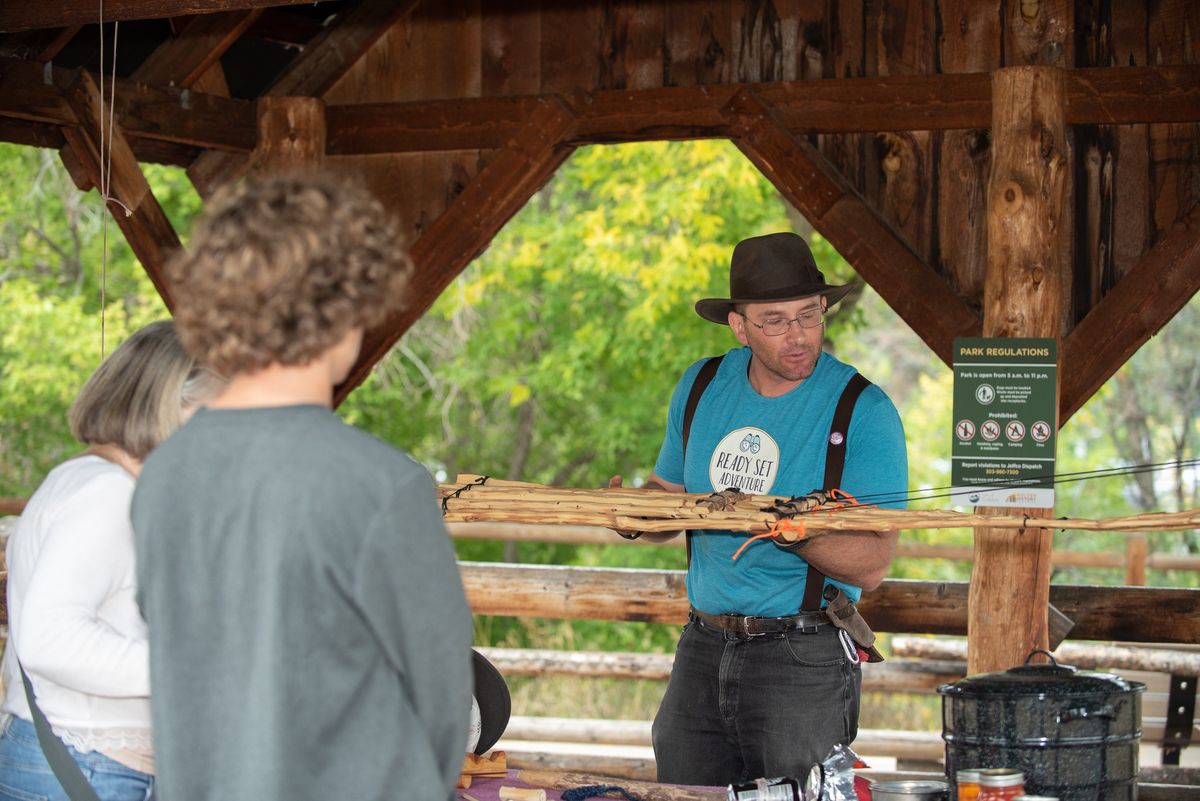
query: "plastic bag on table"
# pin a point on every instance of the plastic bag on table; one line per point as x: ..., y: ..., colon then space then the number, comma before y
x: 833, y: 779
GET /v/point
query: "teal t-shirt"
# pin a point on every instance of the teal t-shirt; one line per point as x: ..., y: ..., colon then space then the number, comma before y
x: 773, y: 446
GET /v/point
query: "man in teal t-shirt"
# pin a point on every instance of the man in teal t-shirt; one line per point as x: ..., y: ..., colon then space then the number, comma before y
x: 763, y: 684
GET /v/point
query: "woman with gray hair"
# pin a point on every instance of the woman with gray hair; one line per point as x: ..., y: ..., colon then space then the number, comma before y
x: 74, y: 624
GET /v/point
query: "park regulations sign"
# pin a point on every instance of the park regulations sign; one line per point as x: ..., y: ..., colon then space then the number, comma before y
x: 1005, y: 422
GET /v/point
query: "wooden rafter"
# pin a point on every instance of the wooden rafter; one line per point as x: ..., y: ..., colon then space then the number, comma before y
x: 213, y: 122
x: 162, y: 113
x: 465, y: 228
x: 312, y: 74
x: 182, y: 60
x: 1142, y: 302
x: 137, y: 213
x: 29, y: 14
x: 857, y: 231
x: 1121, y: 95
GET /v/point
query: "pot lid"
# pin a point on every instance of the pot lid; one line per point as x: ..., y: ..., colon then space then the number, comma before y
x: 1046, y: 678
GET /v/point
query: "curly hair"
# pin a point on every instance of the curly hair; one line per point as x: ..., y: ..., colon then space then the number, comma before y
x: 280, y: 268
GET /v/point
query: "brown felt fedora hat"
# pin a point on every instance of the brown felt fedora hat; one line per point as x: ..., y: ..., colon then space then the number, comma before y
x: 771, y: 267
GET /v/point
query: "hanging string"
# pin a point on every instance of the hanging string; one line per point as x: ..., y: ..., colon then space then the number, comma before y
x: 932, y: 493
x: 105, y: 167
x: 104, y: 184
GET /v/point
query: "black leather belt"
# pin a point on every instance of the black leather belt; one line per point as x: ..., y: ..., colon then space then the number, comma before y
x: 808, y: 622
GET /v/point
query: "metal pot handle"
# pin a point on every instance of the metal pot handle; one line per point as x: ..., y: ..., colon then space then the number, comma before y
x: 1107, y: 711
x: 1050, y: 656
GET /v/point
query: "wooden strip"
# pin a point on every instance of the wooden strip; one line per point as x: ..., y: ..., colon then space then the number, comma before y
x: 1081, y: 655
x: 904, y: 103
x: 570, y: 44
x: 1126, y: 614
x: 464, y: 229
x: 144, y: 111
x: 19, y: 16
x: 291, y: 133
x: 632, y: 35
x: 138, y: 214
x: 509, y: 44
x: 699, y: 49
x: 1167, y: 276
x: 182, y: 60
x: 857, y: 231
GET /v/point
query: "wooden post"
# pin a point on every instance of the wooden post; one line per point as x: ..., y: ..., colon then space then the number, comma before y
x: 1024, y: 293
x: 291, y: 133
x: 1136, y: 548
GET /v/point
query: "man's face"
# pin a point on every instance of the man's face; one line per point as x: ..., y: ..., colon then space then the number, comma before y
x: 791, y: 356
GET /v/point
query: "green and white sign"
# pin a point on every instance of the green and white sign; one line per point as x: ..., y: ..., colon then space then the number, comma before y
x: 1004, y: 422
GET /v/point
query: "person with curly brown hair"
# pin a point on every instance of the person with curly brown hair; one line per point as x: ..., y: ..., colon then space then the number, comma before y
x: 309, y: 633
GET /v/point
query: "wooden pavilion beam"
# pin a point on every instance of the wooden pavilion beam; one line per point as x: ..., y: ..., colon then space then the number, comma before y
x: 464, y: 229
x: 1118, y: 95
x: 133, y: 204
x: 1025, y: 292
x: 162, y: 113
x: 1143, y: 301
x: 846, y: 105
x: 29, y: 14
x: 859, y: 233
x: 312, y: 74
x: 182, y: 60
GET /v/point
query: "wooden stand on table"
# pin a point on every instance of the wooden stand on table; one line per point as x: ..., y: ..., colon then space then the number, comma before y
x: 492, y: 766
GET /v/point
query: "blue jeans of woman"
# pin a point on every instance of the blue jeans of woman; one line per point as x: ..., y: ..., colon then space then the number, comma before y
x: 26, y: 776
x: 739, y: 708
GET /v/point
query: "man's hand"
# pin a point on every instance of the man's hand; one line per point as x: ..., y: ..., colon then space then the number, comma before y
x: 629, y: 534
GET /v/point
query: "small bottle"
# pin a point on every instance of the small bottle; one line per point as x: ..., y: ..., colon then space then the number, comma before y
x: 781, y: 789
x: 967, y: 785
x: 1001, y: 784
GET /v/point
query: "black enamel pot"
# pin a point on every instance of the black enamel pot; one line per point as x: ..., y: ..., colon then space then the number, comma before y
x: 1073, y: 733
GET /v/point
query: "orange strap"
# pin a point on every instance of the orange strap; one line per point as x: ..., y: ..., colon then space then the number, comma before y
x: 782, y: 525
x: 796, y: 526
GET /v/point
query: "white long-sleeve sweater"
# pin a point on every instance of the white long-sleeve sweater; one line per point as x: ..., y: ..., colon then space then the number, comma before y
x: 73, y: 617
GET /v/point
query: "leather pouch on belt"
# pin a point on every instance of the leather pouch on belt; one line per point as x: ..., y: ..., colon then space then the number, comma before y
x: 844, y: 614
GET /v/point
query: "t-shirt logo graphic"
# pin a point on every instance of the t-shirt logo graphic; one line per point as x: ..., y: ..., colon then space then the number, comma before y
x: 748, y: 459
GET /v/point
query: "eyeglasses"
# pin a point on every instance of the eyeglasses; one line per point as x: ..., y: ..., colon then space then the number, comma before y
x: 778, y: 326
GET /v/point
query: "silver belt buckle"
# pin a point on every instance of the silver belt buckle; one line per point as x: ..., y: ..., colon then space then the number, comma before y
x: 746, y: 632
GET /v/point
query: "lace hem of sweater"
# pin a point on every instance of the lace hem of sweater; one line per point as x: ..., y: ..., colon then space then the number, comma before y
x: 88, y: 740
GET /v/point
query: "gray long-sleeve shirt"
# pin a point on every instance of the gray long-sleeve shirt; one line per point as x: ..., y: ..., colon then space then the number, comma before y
x: 309, y: 634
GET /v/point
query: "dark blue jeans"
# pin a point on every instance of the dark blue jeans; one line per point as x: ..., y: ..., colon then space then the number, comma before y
x: 738, y: 708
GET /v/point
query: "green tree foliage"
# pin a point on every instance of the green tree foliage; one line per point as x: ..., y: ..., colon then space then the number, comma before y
x: 54, y: 279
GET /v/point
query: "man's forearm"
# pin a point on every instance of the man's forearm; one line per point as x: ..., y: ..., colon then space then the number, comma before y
x: 861, y: 558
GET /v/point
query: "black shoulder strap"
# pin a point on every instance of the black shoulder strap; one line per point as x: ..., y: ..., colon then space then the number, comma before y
x: 66, y: 770
x: 835, y: 463
x: 703, y: 379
